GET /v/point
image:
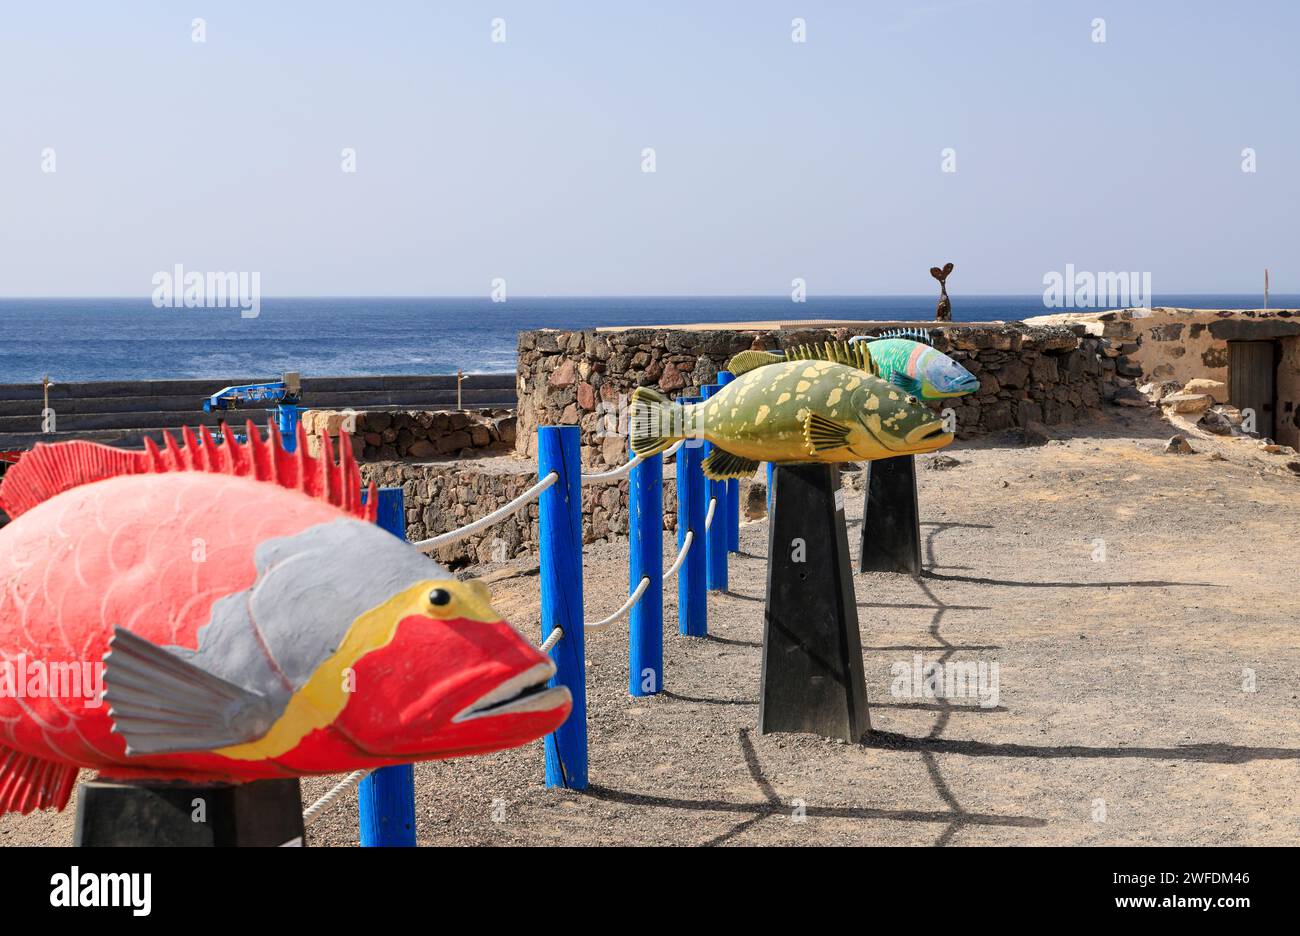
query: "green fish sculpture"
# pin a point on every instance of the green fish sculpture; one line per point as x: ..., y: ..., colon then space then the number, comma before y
x: 908, y: 359
x: 820, y: 403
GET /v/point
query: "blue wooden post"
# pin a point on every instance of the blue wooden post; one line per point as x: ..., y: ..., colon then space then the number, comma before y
x: 286, y: 419
x: 716, y: 538
x: 692, y: 602
x: 771, y: 480
x: 386, y: 797
x: 733, y: 488
x: 645, y: 510
x: 560, y: 525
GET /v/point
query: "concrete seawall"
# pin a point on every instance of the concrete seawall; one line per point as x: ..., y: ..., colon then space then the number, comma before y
x: 124, y: 412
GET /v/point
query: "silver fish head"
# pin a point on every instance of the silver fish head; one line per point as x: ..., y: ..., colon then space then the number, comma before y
x: 944, y: 377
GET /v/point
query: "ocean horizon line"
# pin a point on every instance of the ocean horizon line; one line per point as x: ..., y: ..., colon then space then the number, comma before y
x: 77, y: 338
x: 621, y: 296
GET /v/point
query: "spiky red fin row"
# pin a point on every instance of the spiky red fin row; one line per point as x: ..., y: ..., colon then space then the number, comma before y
x: 28, y: 783
x: 48, y: 470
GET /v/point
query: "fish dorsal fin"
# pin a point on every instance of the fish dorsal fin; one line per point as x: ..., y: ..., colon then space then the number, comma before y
x: 837, y: 352
x: 908, y: 334
x: 28, y: 782
x: 747, y: 361
x: 51, y: 469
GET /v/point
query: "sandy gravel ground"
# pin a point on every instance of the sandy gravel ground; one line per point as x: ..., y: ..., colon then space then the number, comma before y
x: 1123, y: 714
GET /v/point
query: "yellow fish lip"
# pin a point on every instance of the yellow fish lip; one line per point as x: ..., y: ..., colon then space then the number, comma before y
x: 928, y: 437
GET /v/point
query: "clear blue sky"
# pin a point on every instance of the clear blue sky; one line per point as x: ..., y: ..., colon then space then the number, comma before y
x: 522, y: 160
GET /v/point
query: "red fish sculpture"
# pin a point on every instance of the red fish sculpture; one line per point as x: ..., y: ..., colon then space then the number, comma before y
x: 232, y: 613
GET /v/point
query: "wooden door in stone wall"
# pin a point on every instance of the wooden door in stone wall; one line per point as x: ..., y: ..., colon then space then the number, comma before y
x: 1252, y: 370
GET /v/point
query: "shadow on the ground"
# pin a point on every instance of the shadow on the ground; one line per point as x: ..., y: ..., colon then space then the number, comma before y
x: 920, y: 649
x: 669, y: 694
x: 936, y: 706
x: 730, y: 642
x: 771, y: 806
x: 1211, y: 753
x: 1119, y: 422
x: 1137, y: 583
x: 955, y: 817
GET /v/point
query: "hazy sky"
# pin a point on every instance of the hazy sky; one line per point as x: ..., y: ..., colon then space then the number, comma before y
x: 523, y: 159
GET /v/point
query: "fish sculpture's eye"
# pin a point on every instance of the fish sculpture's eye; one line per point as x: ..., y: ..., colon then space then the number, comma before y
x: 913, y: 400
x: 439, y: 597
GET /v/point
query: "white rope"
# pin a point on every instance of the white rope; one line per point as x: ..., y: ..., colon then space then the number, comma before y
x: 681, y: 555
x: 628, y: 465
x: 614, y: 472
x: 622, y: 612
x: 708, y: 521
x: 551, y: 640
x: 455, y: 536
x: 313, y: 812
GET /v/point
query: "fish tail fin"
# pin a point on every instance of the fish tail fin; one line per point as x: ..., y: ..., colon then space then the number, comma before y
x: 28, y: 783
x: 657, y: 422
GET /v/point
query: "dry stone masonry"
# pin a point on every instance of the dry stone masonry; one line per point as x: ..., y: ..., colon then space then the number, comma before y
x: 1049, y: 374
x: 444, y: 496
x: 388, y: 435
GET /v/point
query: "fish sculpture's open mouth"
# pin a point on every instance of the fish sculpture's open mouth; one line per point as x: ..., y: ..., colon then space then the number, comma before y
x: 928, y: 438
x: 526, y: 692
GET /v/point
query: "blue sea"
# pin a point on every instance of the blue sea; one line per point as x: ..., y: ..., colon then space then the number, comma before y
x: 130, y: 339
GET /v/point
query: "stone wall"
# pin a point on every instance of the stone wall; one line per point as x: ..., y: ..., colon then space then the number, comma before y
x: 388, y: 435
x: 1047, y: 374
x: 444, y: 496
x: 1170, y: 345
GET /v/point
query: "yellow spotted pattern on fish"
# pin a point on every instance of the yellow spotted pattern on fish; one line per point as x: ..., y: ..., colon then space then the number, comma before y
x: 790, y: 411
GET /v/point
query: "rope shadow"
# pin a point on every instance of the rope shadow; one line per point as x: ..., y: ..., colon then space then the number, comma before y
x: 934, y: 707
x: 701, y: 700
x: 917, y: 648
x: 731, y: 642
x: 959, y: 818
x: 1139, y: 583
x: 1207, y: 753
x: 771, y: 805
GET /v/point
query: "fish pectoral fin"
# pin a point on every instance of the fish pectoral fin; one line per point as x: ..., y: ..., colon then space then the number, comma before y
x: 904, y: 382
x: 747, y: 361
x: 28, y: 782
x: 163, y: 704
x: 824, y: 435
x: 722, y: 466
